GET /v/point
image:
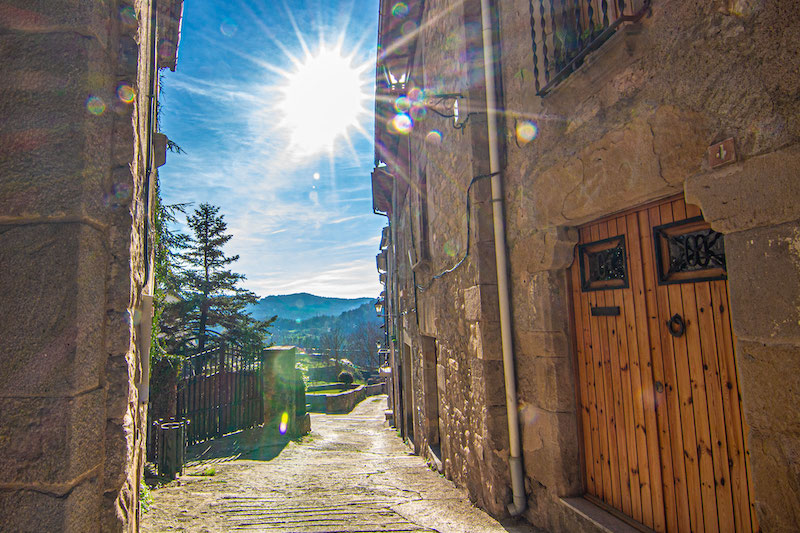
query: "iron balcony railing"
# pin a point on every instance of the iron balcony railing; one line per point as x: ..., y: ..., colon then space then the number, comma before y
x: 564, y: 32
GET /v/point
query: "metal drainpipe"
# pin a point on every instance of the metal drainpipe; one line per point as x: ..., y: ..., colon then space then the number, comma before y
x: 395, y: 315
x: 515, y: 459
x: 146, y: 316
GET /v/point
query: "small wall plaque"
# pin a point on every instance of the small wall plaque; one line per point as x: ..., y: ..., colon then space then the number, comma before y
x: 721, y: 153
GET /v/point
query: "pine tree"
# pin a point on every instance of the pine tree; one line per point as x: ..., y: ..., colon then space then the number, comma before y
x: 214, y: 304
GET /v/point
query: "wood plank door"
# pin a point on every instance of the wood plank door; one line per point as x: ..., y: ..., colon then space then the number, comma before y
x: 663, y: 432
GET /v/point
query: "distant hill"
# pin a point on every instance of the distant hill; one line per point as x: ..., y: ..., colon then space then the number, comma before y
x: 302, y: 306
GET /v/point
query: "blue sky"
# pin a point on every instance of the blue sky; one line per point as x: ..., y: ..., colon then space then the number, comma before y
x: 301, y: 221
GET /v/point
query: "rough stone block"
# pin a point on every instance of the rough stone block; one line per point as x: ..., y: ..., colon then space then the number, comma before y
x: 775, y: 464
x: 483, y: 219
x: 543, y: 306
x: 51, y: 440
x: 541, y: 343
x: 493, y: 382
x: 680, y: 140
x: 547, y: 382
x: 53, y: 151
x: 548, y: 249
x: 551, y: 450
x: 764, y: 283
x: 481, y: 303
x: 52, y: 296
x: 760, y: 191
x: 472, y: 303
x: 89, y: 19
x: 484, y: 341
x: 28, y: 511
x: 496, y: 424
x: 120, y: 371
x: 120, y: 451
x: 486, y: 261
x: 769, y: 386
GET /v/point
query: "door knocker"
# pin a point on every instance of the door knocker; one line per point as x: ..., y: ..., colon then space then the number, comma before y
x: 676, y: 326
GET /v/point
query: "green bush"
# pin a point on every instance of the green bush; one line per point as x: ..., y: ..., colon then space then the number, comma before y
x: 345, y: 377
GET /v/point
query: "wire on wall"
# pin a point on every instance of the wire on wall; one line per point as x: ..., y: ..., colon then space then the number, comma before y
x: 466, y: 252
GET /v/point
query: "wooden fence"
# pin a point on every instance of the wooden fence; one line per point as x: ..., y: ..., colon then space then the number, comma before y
x: 220, y: 391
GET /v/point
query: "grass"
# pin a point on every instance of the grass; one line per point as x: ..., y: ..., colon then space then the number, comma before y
x: 332, y: 390
x: 145, y: 497
x: 210, y: 471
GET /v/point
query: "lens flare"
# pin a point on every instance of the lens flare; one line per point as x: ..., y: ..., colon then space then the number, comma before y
x: 449, y: 249
x: 416, y: 95
x: 402, y: 104
x: 284, y: 425
x: 527, y: 131
x: 418, y: 112
x: 400, y: 10
x: 527, y: 414
x: 228, y: 27
x: 126, y: 93
x: 316, y: 175
x: 434, y: 137
x: 402, y: 124
x: 95, y: 105
x: 408, y: 27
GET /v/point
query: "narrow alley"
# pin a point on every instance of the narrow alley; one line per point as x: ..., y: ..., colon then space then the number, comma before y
x: 352, y: 474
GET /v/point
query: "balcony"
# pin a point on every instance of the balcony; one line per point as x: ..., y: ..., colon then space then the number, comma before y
x: 564, y: 32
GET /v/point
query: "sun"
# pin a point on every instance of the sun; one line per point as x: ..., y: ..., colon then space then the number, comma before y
x: 322, y: 99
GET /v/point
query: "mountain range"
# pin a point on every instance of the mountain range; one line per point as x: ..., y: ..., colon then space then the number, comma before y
x: 302, y: 306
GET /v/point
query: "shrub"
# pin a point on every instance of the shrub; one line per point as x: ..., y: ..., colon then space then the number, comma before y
x: 345, y: 377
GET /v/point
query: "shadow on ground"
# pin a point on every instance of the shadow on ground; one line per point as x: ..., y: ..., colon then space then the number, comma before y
x: 257, y: 444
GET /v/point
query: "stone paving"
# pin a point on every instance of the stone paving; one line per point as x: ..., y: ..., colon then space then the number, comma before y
x: 352, y: 474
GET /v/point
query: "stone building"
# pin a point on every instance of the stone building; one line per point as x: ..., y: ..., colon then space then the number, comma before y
x: 78, y: 156
x: 592, y: 261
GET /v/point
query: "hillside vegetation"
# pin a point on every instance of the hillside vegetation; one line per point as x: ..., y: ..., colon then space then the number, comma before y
x: 303, y: 306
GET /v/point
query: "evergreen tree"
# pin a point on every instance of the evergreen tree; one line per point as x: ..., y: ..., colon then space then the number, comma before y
x: 213, y: 303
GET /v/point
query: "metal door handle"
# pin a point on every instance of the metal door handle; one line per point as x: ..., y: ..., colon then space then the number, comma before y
x: 676, y: 325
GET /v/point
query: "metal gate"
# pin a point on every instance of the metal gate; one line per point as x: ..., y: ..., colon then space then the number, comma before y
x: 663, y: 432
x: 221, y: 391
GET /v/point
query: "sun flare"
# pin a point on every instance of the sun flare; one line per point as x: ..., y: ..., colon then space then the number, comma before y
x: 322, y: 99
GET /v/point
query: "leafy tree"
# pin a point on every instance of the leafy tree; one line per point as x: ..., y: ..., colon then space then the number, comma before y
x: 212, y: 306
x: 364, y: 339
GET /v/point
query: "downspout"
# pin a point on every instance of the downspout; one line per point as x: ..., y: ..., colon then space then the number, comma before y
x: 146, y: 316
x: 515, y: 459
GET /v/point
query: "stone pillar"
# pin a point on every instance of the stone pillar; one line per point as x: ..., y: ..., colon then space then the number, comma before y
x: 72, y: 200
x: 755, y: 204
x: 545, y: 371
x: 280, y: 395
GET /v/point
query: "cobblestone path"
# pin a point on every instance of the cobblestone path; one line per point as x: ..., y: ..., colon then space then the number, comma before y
x: 352, y: 474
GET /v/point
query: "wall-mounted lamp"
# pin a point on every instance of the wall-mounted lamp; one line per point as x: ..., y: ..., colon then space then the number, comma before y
x: 379, y: 307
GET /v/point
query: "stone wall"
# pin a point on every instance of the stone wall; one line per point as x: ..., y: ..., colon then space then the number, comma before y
x: 631, y: 125
x: 342, y: 402
x: 72, y: 211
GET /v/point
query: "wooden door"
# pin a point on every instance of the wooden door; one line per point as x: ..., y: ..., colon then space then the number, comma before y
x: 663, y: 432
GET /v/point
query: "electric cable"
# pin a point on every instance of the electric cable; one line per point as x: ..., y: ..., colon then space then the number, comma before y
x: 466, y: 252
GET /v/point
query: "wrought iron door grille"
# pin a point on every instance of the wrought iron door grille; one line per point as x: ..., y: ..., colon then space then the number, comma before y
x: 689, y: 251
x: 563, y: 32
x: 603, y: 264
